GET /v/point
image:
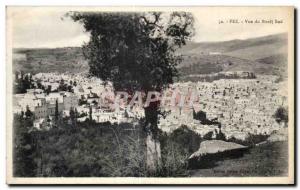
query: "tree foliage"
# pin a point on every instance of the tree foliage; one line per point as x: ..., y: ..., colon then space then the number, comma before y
x: 89, y: 150
x: 135, y: 51
x: 22, y: 83
x: 23, y: 147
x: 281, y: 115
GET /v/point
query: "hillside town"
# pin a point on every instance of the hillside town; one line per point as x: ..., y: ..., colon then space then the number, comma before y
x: 240, y: 106
x: 68, y: 92
x: 237, y: 107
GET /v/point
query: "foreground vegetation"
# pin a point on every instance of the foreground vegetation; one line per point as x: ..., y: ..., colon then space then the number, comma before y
x: 89, y: 149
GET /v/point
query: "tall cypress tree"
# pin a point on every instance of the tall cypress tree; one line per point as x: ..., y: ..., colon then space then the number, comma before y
x: 56, y: 114
x: 72, y: 116
x: 91, y: 114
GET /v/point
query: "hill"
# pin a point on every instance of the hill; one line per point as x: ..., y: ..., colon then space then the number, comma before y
x: 208, y: 64
x: 59, y: 60
x: 262, y: 55
x: 247, y: 49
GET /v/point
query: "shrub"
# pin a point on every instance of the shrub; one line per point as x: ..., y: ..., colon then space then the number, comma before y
x: 176, y: 149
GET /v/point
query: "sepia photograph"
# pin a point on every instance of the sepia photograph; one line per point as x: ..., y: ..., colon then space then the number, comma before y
x: 150, y: 95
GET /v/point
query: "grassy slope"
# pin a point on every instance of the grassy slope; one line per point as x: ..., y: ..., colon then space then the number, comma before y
x: 265, y: 160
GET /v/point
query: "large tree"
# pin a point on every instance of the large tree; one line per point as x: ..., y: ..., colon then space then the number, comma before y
x: 136, y: 51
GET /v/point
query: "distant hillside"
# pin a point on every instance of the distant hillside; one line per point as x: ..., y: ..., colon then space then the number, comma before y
x: 50, y: 60
x: 278, y: 63
x: 248, y: 48
x: 208, y: 64
x: 263, y: 55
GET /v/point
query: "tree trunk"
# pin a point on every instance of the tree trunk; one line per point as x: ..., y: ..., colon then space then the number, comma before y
x: 153, y: 154
x: 153, y: 162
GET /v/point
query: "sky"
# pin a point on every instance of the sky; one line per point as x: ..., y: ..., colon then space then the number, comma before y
x: 40, y: 27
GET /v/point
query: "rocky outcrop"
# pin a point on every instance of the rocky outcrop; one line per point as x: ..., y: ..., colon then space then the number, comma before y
x: 211, y: 151
x: 215, y: 146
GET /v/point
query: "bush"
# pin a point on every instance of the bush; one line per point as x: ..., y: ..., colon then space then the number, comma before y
x: 176, y: 149
x: 281, y: 115
x: 88, y: 150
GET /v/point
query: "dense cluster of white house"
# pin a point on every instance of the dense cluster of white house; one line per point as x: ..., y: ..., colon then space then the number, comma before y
x: 242, y: 106
x: 89, y: 90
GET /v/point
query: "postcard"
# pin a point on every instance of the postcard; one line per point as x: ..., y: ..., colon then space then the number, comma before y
x: 150, y: 95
